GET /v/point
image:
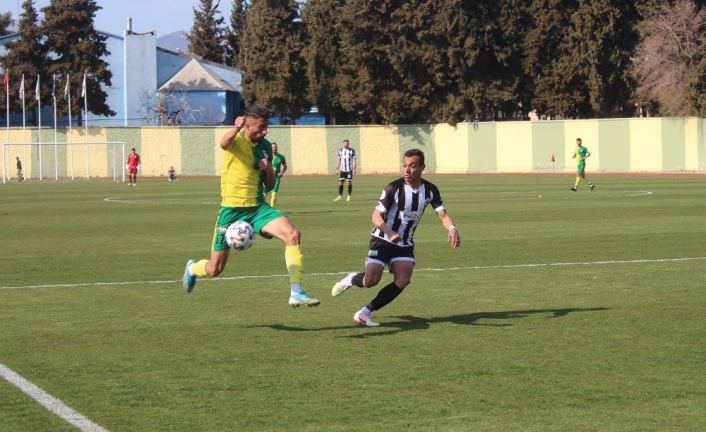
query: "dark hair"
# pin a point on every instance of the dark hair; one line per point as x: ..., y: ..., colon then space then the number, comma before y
x: 257, y: 112
x: 415, y: 152
x: 133, y: 149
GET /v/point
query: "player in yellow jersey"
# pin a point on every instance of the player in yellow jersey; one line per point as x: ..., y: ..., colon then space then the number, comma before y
x: 582, y: 154
x: 245, y: 175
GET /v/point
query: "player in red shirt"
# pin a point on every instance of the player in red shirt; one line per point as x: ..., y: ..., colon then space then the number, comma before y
x: 133, y: 164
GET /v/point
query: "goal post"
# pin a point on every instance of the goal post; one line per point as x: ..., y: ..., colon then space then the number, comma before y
x: 69, y: 160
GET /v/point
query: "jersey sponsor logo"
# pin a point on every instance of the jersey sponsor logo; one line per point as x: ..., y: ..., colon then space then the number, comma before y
x: 372, y: 253
x: 407, y: 217
x: 222, y: 229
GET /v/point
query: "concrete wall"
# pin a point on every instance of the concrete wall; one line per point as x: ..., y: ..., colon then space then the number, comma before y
x: 652, y: 145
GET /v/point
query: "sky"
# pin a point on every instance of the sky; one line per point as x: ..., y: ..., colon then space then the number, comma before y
x: 162, y: 16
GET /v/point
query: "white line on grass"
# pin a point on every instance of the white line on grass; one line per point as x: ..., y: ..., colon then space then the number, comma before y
x: 49, y: 402
x: 509, y: 266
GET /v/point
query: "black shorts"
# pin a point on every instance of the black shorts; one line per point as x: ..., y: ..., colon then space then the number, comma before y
x: 385, y: 253
x: 345, y: 175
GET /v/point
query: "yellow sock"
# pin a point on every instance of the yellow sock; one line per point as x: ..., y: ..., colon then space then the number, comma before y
x: 587, y: 182
x: 273, y: 199
x: 199, y: 268
x: 293, y: 258
x: 578, y: 179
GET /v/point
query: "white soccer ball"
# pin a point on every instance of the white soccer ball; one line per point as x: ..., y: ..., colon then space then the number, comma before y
x: 240, y: 235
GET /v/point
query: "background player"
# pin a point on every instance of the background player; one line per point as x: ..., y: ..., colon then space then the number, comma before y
x: 345, y: 167
x: 133, y: 164
x: 581, y: 153
x: 245, y: 174
x: 279, y: 165
x: 396, y: 217
x: 171, y: 174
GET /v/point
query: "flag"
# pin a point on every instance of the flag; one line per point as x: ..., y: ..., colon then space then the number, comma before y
x: 6, y: 81
x: 83, y: 86
x: 36, y: 89
x: 22, y: 88
x: 66, y: 89
x: 552, y: 157
x: 53, y: 88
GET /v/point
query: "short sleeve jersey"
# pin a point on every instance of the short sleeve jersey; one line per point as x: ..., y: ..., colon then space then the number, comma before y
x: 580, y: 152
x: 242, y: 182
x: 277, y: 162
x: 133, y: 160
x: 402, y: 208
x: 346, y: 155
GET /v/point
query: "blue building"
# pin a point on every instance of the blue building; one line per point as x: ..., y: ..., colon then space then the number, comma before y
x: 150, y: 84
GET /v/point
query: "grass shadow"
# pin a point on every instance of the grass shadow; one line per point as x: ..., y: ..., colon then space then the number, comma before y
x: 411, y: 322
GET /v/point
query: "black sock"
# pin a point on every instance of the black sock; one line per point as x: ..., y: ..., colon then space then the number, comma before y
x: 384, y: 297
x: 340, y: 190
x: 350, y: 189
x: 358, y: 280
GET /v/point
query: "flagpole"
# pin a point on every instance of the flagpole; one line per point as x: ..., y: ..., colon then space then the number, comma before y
x: 24, y: 118
x: 39, y: 109
x: 85, y: 120
x: 6, y: 83
x: 67, y: 93
x: 56, y: 153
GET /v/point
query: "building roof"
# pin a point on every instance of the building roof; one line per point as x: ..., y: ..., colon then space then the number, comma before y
x: 195, y: 77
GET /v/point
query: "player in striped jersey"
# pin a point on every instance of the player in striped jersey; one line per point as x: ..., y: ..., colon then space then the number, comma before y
x: 396, y: 217
x: 246, y: 173
x: 345, y: 167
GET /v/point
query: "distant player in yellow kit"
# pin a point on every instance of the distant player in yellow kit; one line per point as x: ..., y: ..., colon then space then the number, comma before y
x: 581, y: 153
x: 245, y: 175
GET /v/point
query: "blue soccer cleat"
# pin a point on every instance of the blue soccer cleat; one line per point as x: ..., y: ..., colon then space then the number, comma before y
x: 189, y: 280
x: 302, y: 299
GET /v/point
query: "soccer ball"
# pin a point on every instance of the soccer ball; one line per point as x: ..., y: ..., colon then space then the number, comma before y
x: 240, y: 235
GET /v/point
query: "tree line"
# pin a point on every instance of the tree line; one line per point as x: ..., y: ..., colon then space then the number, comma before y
x: 421, y: 61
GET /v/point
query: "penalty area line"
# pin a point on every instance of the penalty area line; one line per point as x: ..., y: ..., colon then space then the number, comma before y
x: 509, y: 266
x: 49, y: 402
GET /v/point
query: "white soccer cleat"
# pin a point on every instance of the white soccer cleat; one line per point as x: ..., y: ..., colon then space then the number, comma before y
x: 343, y: 284
x: 365, y: 320
x: 302, y: 299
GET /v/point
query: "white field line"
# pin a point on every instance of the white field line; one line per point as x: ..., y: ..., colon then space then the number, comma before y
x: 49, y: 402
x: 513, y: 266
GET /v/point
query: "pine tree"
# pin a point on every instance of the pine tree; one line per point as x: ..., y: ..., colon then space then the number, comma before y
x: 233, y: 35
x: 27, y: 55
x: 274, y: 73
x: 322, y: 53
x: 5, y: 21
x: 78, y: 49
x: 207, y: 34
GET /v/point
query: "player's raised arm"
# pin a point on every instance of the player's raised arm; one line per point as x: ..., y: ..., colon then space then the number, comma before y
x: 228, y: 140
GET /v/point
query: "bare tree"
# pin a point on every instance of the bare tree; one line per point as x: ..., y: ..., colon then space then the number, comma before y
x: 166, y: 108
x: 672, y: 48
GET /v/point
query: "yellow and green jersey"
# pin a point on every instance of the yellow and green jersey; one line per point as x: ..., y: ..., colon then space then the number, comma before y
x: 241, y: 178
x: 580, y: 152
x: 277, y: 162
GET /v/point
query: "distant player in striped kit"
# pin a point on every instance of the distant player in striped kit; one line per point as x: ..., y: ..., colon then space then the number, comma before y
x: 396, y: 217
x: 345, y: 167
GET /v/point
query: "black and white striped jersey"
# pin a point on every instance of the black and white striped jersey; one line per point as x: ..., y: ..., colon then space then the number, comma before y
x: 346, y: 155
x: 403, y: 207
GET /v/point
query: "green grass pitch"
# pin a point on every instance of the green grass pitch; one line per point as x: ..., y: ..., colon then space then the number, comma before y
x: 573, y: 311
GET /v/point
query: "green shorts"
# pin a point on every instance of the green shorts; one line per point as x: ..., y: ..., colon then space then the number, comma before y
x: 257, y: 216
x: 581, y: 167
x: 275, y: 188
